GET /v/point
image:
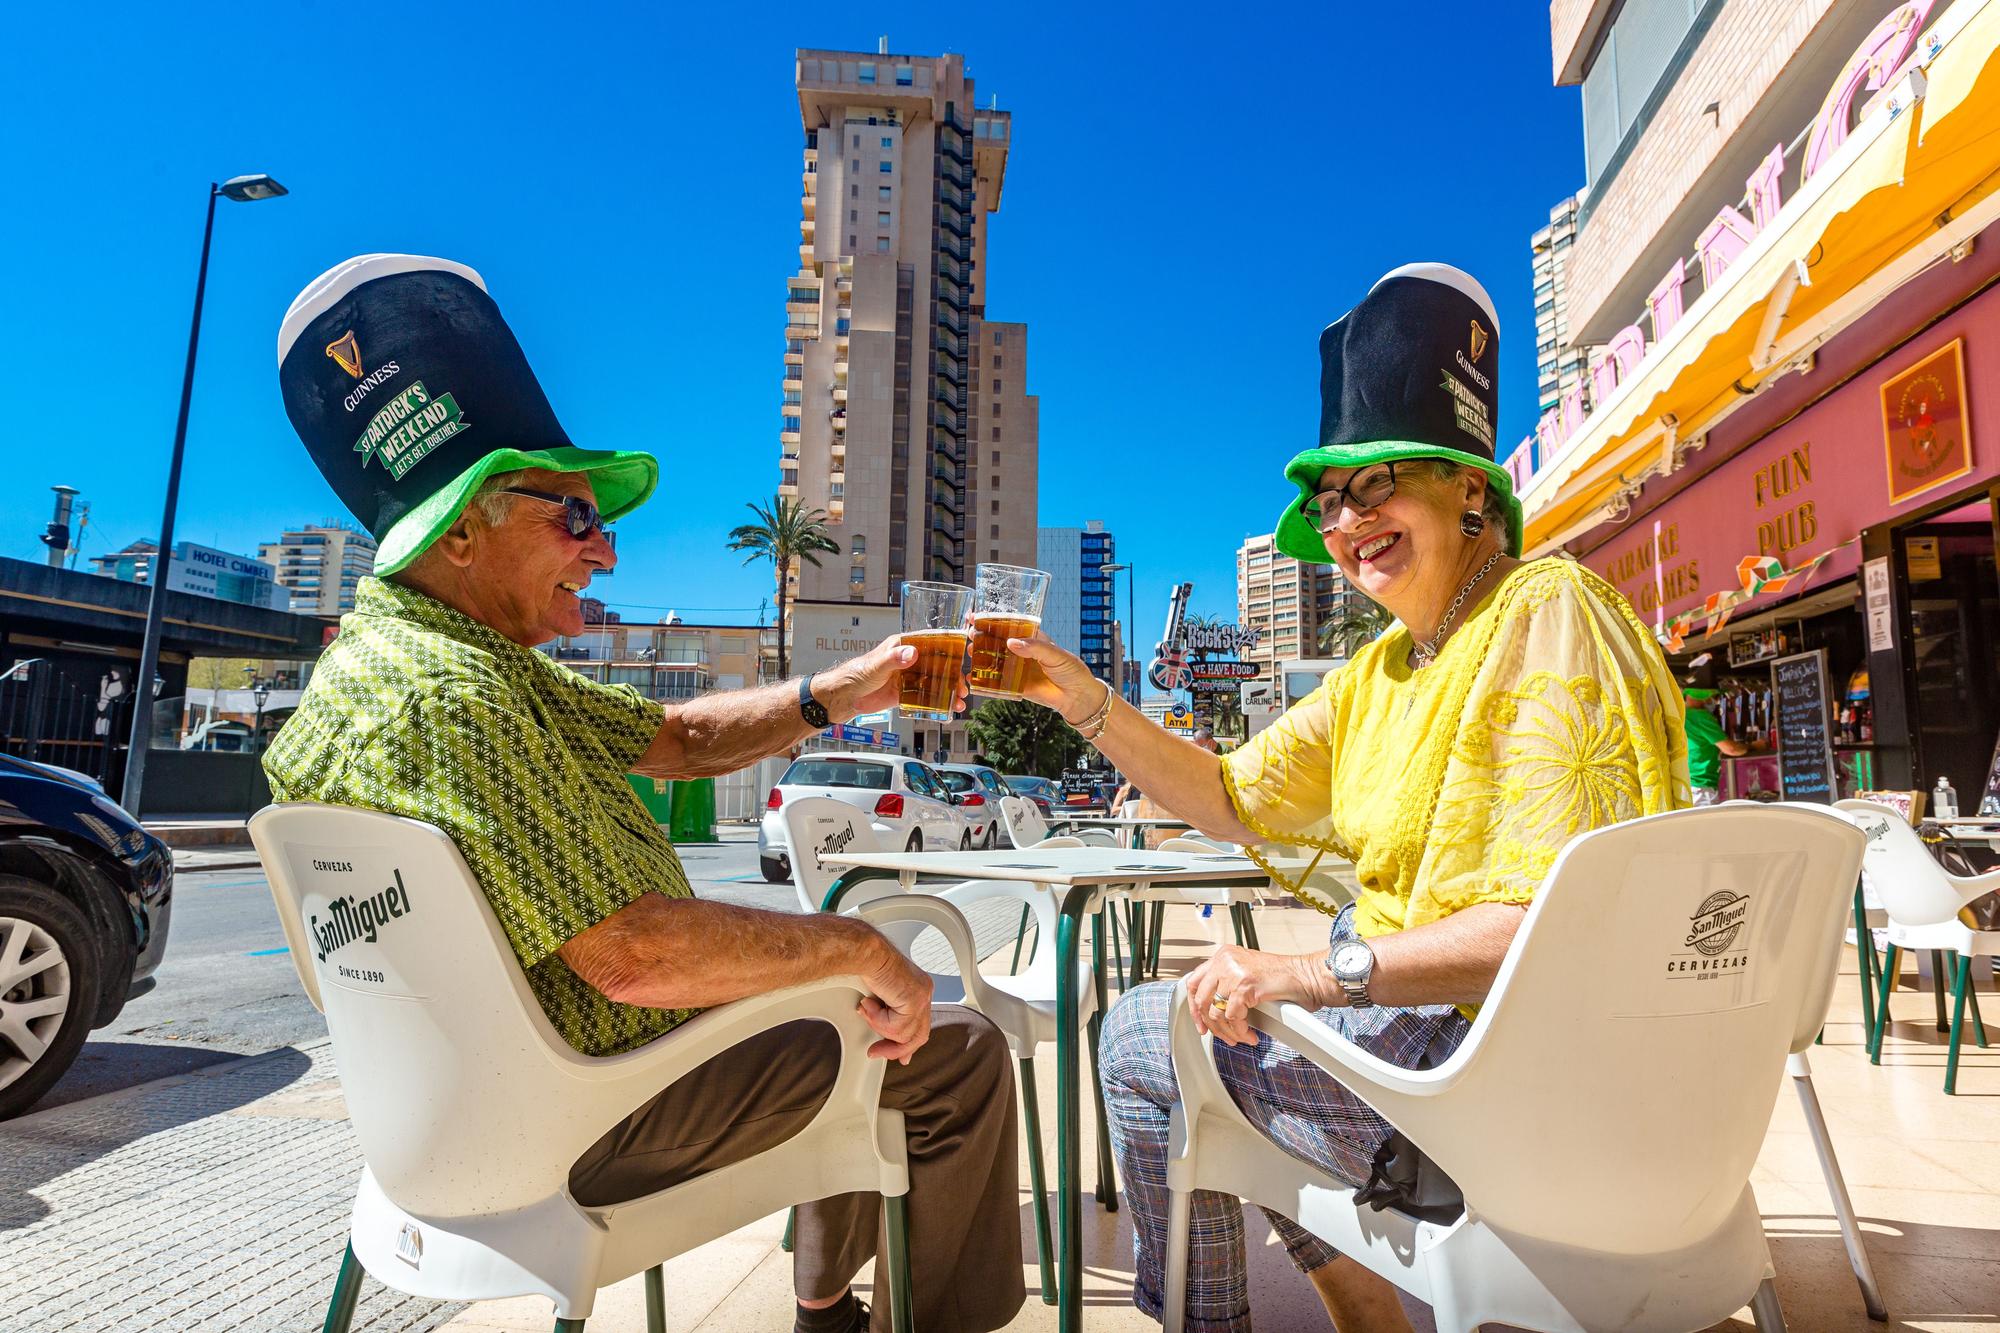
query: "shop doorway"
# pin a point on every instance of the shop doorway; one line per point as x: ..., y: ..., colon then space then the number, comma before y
x: 1954, y: 591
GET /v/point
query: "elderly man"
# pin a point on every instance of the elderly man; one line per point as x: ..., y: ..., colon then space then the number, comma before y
x: 419, y: 406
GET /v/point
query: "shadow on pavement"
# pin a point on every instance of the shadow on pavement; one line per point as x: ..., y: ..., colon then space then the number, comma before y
x: 47, y: 1143
x: 108, y: 1066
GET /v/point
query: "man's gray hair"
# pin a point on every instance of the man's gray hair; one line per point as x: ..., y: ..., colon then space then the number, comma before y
x: 491, y: 502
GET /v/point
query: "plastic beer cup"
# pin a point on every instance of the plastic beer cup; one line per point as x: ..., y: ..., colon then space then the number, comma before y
x: 935, y: 616
x: 1006, y: 604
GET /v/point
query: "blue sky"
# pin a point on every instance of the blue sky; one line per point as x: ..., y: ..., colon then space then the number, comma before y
x: 1190, y: 199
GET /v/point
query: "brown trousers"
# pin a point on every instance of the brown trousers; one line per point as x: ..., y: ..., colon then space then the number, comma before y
x: 957, y: 1100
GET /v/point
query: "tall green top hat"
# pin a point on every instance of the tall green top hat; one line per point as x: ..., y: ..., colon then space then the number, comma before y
x: 409, y: 390
x: 1411, y: 372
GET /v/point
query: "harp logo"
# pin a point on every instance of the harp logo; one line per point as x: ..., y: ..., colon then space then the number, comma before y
x: 346, y: 353
x: 1478, y: 340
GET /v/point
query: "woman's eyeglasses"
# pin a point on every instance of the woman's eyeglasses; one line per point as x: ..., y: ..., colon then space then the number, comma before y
x: 579, y: 513
x: 1366, y: 489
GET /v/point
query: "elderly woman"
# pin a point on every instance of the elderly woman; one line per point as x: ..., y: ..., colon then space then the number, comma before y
x: 1513, y: 706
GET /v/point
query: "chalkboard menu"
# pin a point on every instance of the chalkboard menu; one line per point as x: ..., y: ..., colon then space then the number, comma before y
x: 1805, y: 745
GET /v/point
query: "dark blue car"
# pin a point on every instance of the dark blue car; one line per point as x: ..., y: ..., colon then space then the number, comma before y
x: 85, y: 892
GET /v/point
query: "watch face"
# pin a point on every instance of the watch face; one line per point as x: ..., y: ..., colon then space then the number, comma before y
x: 1352, y: 960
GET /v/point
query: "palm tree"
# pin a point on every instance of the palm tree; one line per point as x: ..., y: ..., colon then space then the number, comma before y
x: 784, y: 532
x: 1356, y: 622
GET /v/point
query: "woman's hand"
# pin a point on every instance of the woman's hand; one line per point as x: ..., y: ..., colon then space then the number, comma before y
x: 1245, y: 977
x: 1062, y: 682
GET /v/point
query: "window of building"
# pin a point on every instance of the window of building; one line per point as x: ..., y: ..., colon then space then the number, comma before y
x: 854, y: 192
x: 888, y: 142
x: 996, y: 435
x: 999, y: 387
x: 788, y: 476
x: 996, y: 458
x: 866, y: 74
x: 996, y: 337
x: 995, y: 532
x: 857, y: 575
x: 882, y: 245
x: 854, y: 215
x: 999, y: 361
x: 883, y: 192
x: 992, y: 553
x: 887, y: 167
x: 857, y: 141
x: 882, y: 220
x: 994, y: 482
x: 996, y: 506
x: 903, y: 76
x: 858, y: 544
x: 850, y: 243
x: 790, y: 424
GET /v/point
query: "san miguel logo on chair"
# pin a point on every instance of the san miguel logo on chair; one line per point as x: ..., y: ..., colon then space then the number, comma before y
x: 356, y: 916
x: 1713, y: 931
x: 346, y: 353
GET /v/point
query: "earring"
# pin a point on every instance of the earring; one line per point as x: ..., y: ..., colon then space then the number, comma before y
x: 1472, y: 523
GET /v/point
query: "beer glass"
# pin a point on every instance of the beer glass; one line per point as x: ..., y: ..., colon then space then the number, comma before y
x: 934, y: 623
x: 1006, y: 604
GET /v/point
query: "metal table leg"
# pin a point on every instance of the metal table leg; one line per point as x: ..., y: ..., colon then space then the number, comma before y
x: 1069, y: 1168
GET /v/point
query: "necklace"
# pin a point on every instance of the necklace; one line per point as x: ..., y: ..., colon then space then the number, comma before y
x: 1424, y: 652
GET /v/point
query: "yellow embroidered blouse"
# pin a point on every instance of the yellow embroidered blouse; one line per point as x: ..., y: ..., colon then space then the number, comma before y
x: 1550, y: 712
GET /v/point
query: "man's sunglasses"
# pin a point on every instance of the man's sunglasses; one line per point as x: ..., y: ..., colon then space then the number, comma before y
x: 579, y: 513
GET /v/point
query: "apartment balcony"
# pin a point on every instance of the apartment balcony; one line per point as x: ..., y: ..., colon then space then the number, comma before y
x: 794, y: 359
x: 956, y: 225
x: 807, y: 226
x: 838, y: 419
x: 789, y: 490
x: 805, y: 254
x: 788, y: 439
x: 956, y: 323
x: 792, y: 383
x: 839, y: 451
x: 840, y: 393
x: 835, y: 510
x: 812, y: 157
x: 840, y: 362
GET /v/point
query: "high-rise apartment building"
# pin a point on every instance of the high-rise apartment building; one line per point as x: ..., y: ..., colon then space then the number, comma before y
x: 905, y: 414
x: 1289, y: 600
x: 1559, y: 365
x: 1082, y: 611
x: 321, y: 564
x: 202, y: 570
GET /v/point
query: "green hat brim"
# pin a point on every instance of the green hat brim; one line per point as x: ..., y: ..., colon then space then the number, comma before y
x: 621, y: 478
x: 1698, y: 694
x: 1297, y: 537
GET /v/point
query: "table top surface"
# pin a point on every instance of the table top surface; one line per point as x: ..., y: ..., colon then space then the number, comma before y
x: 1062, y: 865
x: 1121, y: 821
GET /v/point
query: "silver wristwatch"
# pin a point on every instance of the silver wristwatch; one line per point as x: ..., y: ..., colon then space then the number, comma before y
x: 1352, y: 963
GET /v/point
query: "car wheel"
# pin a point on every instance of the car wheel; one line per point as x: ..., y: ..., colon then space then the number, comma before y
x: 48, y: 989
x: 965, y: 841
x: 992, y: 836
x: 776, y: 870
x: 916, y: 842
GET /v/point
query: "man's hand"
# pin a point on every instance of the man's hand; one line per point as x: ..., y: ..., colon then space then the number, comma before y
x: 872, y: 682
x: 900, y: 1008
x: 1244, y: 978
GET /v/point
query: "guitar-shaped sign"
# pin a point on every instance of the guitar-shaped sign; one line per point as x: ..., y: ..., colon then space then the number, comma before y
x: 1169, y: 670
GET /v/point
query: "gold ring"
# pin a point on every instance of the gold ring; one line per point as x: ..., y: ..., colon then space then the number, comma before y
x: 1219, y: 1003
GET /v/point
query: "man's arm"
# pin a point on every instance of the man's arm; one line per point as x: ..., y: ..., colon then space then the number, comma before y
x: 683, y: 953
x: 722, y: 733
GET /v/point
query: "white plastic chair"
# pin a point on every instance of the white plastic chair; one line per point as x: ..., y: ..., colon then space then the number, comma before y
x: 1022, y: 1007
x: 1639, y: 1025
x: 471, y: 1109
x: 1923, y: 901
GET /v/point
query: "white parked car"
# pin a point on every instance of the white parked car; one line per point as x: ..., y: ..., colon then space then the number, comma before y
x: 908, y: 804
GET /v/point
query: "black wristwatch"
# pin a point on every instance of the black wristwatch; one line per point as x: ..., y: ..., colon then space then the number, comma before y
x: 811, y: 709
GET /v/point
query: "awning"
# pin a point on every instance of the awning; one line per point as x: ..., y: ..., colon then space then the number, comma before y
x: 1904, y: 188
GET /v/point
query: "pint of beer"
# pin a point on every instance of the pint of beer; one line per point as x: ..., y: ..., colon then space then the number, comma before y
x: 934, y: 623
x: 1006, y: 604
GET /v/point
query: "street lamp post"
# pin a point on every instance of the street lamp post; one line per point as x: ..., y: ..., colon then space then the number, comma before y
x: 243, y: 189
x: 261, y: 692
x: 1131, y: 612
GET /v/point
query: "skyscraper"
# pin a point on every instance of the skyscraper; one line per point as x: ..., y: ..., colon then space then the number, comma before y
x: 1559, y: 365
x: 321, y: 564
x: 1081, y: 607
x: 904, y: 413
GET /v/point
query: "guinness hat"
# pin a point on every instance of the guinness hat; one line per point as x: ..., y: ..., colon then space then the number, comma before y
x: 409, y: 390
x: 1411, y: 372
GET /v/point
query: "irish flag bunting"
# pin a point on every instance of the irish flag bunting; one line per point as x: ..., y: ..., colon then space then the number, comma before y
x: 1755, y: 575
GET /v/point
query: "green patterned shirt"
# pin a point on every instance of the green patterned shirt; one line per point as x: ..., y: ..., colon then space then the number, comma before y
x: 421, y: 711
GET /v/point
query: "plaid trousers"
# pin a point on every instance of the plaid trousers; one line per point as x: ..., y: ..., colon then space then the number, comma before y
x: 1301, y: 1107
